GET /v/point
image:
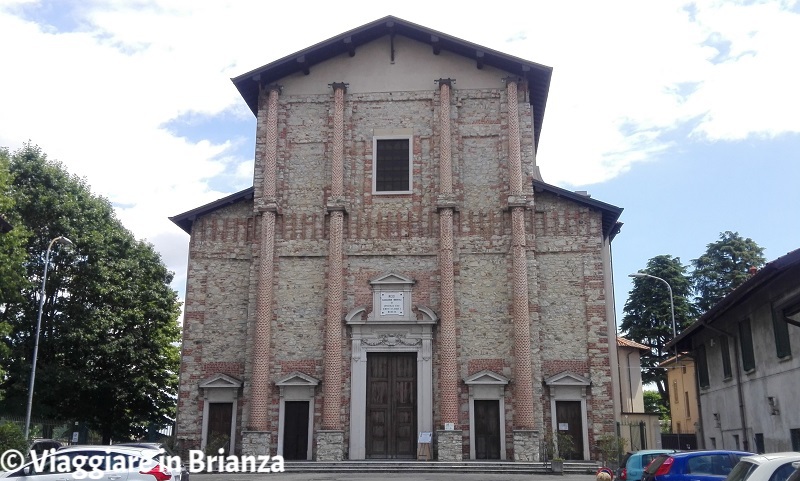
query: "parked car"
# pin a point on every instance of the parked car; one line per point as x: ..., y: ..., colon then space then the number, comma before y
x: 41, y: 446
x: 631, y: 468
x: 113, y: 462
x: 765, y: 467
x: 693, y: 465
x: 182, y: 476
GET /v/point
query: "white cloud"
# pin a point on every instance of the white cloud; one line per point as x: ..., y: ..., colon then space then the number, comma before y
x: 98, y: 96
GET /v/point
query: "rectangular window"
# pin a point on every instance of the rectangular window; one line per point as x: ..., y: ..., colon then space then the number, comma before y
x: 736, y: 442
x: 760, y: 443
x: 746, y: 342
x: 726, y: 357
x: 795, y: 435
x: 713, y: 443
x: 686, y: 404
x: 781, y: 329
x: 675, y: 389
x: 391, y: 164
x: 702, y: 367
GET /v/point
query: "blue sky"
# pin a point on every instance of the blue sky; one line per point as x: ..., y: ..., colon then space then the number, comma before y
x: 683, y: 113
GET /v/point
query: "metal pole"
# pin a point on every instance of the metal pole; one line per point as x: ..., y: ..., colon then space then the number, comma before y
x: 63, y: 240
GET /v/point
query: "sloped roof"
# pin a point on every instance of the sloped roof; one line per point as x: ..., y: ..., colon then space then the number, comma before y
x: 538, y: 75
x: 623, y: 342
x: 185, y: 220
x: 611, y: 224
x: 750, y: 287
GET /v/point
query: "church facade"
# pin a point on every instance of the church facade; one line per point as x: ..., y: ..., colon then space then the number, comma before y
x: 398, y: 276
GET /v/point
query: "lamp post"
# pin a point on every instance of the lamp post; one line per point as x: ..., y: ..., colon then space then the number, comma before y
x: 60, y: 240
x: 672, y: 313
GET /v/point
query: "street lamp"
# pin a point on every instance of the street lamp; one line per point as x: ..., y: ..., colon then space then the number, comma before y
x: 672, y: 312
x: 60, y: 240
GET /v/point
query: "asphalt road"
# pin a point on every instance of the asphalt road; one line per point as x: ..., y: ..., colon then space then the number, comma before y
x: 455, y: 476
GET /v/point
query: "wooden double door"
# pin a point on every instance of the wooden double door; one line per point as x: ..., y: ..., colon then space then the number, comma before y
x: 391, y: 405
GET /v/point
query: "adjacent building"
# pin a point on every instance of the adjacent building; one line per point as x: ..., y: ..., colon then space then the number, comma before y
x: 398, y: 274
x: 747, y: 370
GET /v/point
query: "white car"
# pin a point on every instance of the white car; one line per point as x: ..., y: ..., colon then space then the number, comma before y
x: 765, y: 467
x: 95, y: 462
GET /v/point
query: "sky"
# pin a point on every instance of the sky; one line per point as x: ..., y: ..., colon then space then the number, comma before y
x: 685, y: 114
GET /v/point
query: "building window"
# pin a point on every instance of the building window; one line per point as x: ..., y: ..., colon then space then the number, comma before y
x: 675, y: 389
x: 683, y: 369
x: 736, y: 442
x: 760, y: 443
x: 702, y: 367
x: 686, y: 404
x: 391, y: 164
x: 746, y: 341
x: 795, y: 435
x: 726, y: 357
x: 781, y: 329
x: 713, y: 443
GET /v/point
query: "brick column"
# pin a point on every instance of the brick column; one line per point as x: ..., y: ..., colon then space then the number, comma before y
x: 330, y: 442
x: 525, y: 445
x: 267, y: 206
x: 449, y: 442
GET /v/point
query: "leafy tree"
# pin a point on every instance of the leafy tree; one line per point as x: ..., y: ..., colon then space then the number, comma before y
x: 648, y: 318
x: 108, y: 352
x: 12, y: 437
x: 12, y: 257
x: 724, y: 267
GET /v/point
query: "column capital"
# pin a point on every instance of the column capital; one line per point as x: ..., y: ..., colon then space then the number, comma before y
x: 445, y: 81
x: 518, y: 201
x: 267, y: 204
x: 337, y: 204
x: 446, y: 201
x: 339, y: 85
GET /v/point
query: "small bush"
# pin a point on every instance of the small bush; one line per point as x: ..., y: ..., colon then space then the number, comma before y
x: 11, y: 437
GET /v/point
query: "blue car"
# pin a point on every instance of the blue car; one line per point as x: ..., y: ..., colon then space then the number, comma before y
x: 693, y: 465
x: 632, y: 466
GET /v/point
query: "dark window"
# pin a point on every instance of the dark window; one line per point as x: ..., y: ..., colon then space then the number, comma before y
x: 702, y: 367
x: 760, y: 443
x: 392, y: 165
x: 726, y: 357
x: 746, y: 341
x: 795, y: 435
x: 781, y: 330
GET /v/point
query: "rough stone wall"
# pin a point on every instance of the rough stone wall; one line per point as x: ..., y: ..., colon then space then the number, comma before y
x: 573, y: 332
x: 399, y: 233
x: 215, y: 311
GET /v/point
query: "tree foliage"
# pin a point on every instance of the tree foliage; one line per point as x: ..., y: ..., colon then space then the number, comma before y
x: 724, y: 267
x: 648, y: 317
x: 108, y: 352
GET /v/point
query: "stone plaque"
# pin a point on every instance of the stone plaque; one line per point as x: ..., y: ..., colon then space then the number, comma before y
x: 392, y: 304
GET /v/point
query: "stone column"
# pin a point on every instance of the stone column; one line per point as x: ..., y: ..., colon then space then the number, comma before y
x: 257, y: 439
x: 449, y: 442
x: 330, y: 440
x: 524, y: 434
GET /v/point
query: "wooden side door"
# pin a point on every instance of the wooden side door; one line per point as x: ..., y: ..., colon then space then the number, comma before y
x: 487, y: 429
x: 568, y: 415
x: 219, y: 426
x: 295, y: 430
x: 391, y: 405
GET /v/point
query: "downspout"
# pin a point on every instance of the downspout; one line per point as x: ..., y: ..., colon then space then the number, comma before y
x: 742, y: 412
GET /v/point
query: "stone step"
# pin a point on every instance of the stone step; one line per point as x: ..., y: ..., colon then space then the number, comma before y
x: 577, y: 467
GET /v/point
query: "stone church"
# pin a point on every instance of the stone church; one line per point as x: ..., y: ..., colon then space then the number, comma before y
x: 399, y: 277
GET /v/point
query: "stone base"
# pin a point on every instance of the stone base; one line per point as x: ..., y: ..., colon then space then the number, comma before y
x: 256, y: 443
x: 526, y: 445
x: 330, y: 445
x: 450, y: 445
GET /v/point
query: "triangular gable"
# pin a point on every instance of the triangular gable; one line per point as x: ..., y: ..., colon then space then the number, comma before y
x: 567, y: 378
x: 486, y: 377
x: 391, y: 278
x: 221, y: 381
x: 297, y: 378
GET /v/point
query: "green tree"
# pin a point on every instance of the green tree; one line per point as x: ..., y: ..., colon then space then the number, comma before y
x: 108, y: 352
x: 12, y: 258
x: 654, y: 403
x: 724, y: 267
x: 648, y: 318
